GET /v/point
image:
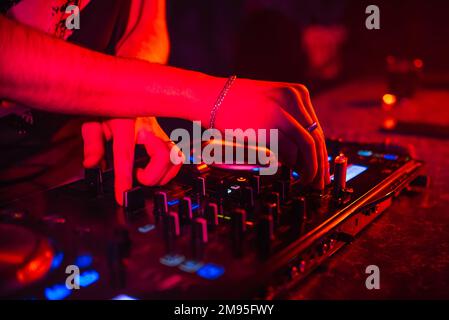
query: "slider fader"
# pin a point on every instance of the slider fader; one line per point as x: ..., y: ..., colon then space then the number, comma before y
x: 211, y: 233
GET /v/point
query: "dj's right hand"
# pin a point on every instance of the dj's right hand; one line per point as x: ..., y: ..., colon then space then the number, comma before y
x: 125, y: 134
x: 287, y: 107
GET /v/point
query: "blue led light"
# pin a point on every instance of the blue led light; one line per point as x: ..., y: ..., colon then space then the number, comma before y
x: 57, y: 292
x: 124, y: 297
x: 84, y: 261
x: 57, y: 260
x: 295, y: 175
x: 353, y: 171
x: 192, y: 159
x: 173, y: 202
x: 88, y: 278
x: 255, y: 169
x: 329, y: 158
x: 195, y: 206
x: 211, y: 271
x: 147, y: 228
x: 365, y: 153
x: 391, y: 157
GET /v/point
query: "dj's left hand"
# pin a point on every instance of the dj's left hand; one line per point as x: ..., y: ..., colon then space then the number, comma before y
x: 125, y: 134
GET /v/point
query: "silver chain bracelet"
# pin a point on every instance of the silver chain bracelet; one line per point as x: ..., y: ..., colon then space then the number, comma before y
x: 223, y: 93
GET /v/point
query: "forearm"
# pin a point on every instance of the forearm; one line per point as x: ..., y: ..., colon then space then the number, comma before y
x: 56, y: 76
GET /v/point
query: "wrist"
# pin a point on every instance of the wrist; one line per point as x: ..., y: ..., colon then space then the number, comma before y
x: 205, y: 93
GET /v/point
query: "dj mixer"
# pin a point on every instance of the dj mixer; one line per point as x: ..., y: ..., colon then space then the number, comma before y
x: 211, y: 233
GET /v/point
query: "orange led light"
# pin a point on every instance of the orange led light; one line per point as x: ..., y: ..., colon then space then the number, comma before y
x: 389, y: 99
x: 202, y: 167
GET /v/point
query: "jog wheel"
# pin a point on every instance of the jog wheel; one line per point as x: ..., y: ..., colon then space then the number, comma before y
x: 25, y: 257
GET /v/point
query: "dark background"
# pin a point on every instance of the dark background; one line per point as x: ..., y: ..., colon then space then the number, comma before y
x: 261, y: 38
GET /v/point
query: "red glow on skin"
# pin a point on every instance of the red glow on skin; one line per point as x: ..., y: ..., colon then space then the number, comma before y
x: 36, y: 268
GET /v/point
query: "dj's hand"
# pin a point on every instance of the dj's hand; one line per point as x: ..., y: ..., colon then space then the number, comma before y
x: 125, y: 133
x: 253, y: 104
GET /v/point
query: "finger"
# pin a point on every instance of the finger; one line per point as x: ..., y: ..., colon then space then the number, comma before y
x: 171, y: 173
x: 123, y: 150
x: 289, y: 152
x: 106, y: 130
x: 160, y: 162
x: 305, y: 95
x: 301, y: 93
x: 304, y: 142
x: 327, y: 175
x: 93, y: 139
x: 300, y: 107
x: 319, y: 181
x: 297, y: 108
x: 173, y: 169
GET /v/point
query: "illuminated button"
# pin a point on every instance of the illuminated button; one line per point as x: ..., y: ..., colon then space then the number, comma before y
x: 88, y: 278
x: 242, y: 179
x: 389, y: 99
x: 365, y: 153
x: 391, y: 157
x: 211, y: 271
x: 57, y: 260
x: 172, y: 260
x: 124, y: 297
x: 57, y: 292
x: 190, y: 266
x: 353, y: 171
x: 295, y: 175
x: 83, y: 261
x: 147, y: 228
x: 173, y: 202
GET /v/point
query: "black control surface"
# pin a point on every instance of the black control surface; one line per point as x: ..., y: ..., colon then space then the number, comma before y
x: 210, y: 233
